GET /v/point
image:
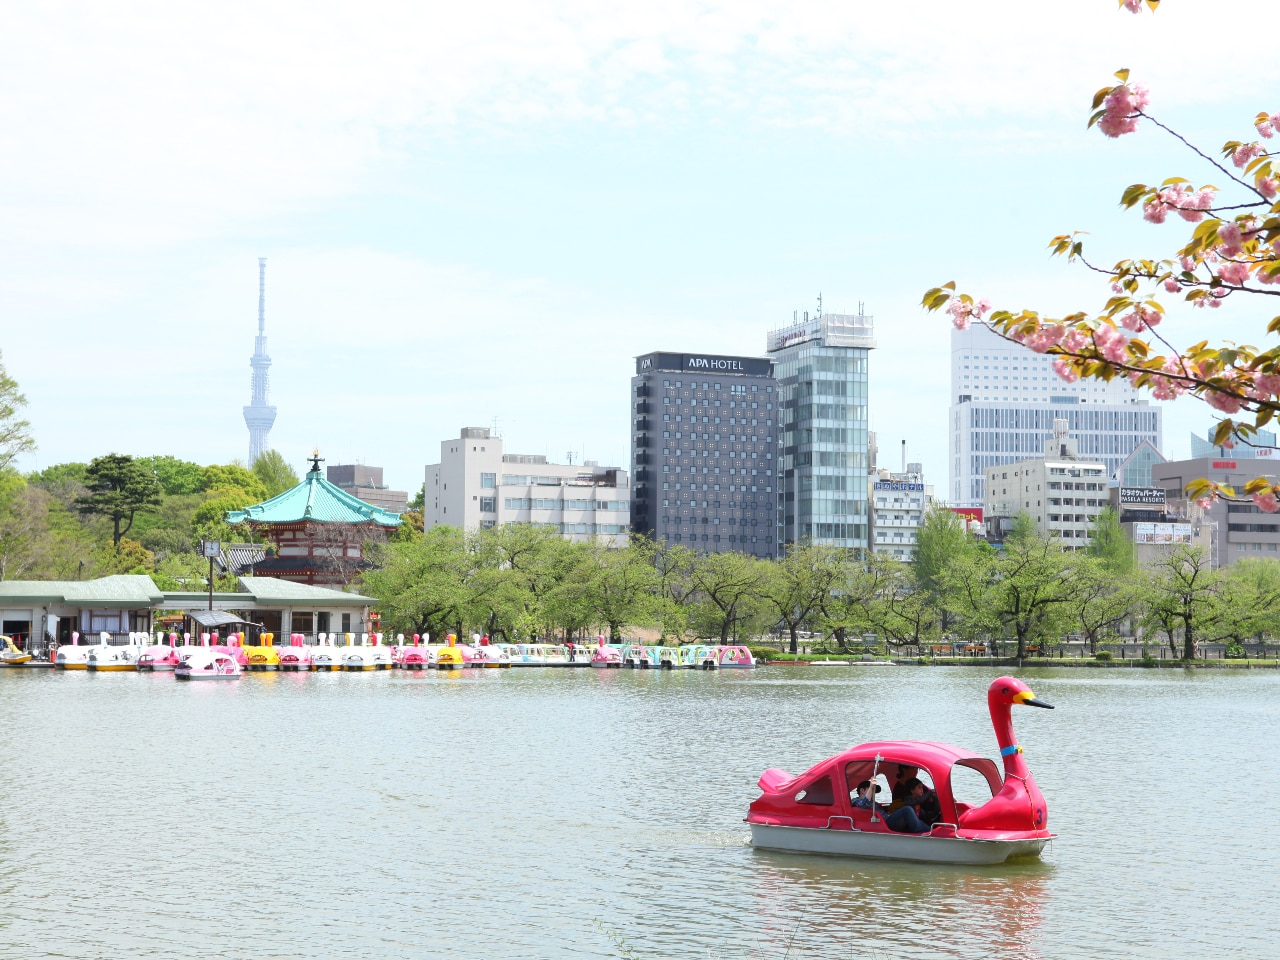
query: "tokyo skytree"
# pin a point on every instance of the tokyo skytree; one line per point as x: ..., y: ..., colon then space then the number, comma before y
x: 258, y: 415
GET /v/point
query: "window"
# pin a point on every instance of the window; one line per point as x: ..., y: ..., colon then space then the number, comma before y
x: 488, y: 481
x: 489, y: 504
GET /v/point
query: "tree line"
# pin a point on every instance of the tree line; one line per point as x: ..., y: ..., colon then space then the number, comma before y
x: 517, y: 582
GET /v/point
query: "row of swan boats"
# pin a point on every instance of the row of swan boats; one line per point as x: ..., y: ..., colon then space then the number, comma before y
x: 211, y: 657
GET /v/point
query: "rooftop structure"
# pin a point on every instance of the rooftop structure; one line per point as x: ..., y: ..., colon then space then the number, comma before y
x: 259, y: 415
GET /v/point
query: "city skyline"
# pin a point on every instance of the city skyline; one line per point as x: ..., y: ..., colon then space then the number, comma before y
x: 500, y: 245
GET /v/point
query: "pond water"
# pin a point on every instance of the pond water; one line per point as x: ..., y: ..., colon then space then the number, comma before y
x: 513, y: 813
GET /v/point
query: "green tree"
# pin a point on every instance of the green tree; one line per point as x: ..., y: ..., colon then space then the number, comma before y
x: 941, y: 539
x: 726, y: 583
x: 673, y: 563
x: 421, y: 585
x: 275, y: 473
x: 1248, y: 605
x: 1022, y: 592
x: 26, y: 538
x: 177, y: 477
x: 221, y: 476
x: 618, y: 587
x: 1103, y: 598
x: 118, y: 488
x: 898, y: 609
x: 15, y: 434
x: 1107, y: 542
x: 1185, y: 597
x: 795, y: 587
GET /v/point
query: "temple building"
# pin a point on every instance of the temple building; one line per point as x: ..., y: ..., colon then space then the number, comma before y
x: 316, y: 531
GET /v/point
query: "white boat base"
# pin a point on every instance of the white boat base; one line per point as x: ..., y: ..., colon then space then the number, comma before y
x: 891, y: 846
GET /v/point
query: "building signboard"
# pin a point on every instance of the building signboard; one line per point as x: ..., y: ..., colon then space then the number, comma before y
x: 1162, y: 533
x: 1224, y: 464
x: 704, y: 363
x: 896, y: 485
x: 1142, y: 496
x: 969, y: 513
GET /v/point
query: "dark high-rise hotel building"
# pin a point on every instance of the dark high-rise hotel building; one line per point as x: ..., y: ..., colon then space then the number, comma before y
x: 704, y: 452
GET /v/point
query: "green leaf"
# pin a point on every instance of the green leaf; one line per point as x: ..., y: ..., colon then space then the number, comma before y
x: 1123, y: 75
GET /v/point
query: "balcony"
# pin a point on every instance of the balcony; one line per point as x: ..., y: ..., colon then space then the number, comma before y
x: 643, y: 407
x: 643, y: 425
x: 643, y: 442
x: 643, y: 460
x: 644, y: 390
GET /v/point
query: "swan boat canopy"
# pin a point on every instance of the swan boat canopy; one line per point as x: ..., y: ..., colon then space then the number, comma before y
x: 814, y: 812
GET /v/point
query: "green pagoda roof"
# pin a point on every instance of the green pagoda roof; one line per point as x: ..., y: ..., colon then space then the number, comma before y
x: 315, y: 498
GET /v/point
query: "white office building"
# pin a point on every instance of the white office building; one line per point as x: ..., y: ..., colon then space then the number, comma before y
x: 899, y: 502
x: 1005, y: 399
x: 1059, y: 490
x: 476, y: 484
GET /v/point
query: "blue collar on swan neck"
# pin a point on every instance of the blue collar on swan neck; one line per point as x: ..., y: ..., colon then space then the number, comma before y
x: 1010, y: 750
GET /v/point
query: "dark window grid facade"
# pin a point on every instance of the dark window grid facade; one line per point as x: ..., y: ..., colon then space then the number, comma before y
x: 712, y: 484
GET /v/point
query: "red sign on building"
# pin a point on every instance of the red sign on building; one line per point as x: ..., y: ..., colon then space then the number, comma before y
x: 1224, y: 464
x: 969, y: 513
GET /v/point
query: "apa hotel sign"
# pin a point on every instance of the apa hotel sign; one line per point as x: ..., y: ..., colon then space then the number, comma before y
x: 704, y: 363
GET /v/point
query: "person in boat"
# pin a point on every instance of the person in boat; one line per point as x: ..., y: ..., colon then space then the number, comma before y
x: 900, y: 789
x: 920, y: 810
x: 864, y: 800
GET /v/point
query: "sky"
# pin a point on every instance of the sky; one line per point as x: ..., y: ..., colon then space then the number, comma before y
x: 479, y: 214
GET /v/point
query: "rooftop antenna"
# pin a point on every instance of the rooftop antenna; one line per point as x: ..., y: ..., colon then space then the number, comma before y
x: 862, y: 309
x: 819, y: 313
x: 569, y: 457
x: 904, y: 456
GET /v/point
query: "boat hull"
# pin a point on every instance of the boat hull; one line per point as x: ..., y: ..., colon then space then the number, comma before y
x: 866, y: 844
x: 193, y: 677
x: 114, y: 667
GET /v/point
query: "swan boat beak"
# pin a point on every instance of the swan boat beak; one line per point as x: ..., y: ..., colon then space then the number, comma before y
x: 1027, y: 698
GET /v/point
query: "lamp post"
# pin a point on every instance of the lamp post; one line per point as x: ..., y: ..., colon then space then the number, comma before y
x: 210, y: 549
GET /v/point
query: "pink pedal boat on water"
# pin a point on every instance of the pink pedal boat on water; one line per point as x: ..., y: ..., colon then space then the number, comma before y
x: 212, y: 663
x: 297, y: 656
x: 814, y: 812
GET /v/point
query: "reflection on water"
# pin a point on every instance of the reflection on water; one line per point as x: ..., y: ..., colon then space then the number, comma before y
x: 501, y: 813
x: 815, y: 900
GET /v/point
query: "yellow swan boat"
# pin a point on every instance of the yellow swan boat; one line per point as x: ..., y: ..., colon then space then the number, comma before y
x: 11, y: 656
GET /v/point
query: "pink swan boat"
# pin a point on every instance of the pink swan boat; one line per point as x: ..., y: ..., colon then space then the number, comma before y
x: 296, y: 656
x: 162, y: 656
x: 606, y: 657
x: 813, y: 812
x: 212, y: 663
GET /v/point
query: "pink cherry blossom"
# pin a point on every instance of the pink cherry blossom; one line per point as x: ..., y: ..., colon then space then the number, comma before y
x: 1265, y: 129
x: 959, y: 311
x: 1188, y: 264
x: 981, y: 307
x: 1049, y: 335
x: 1246, y: 152
x: 1172, y: 285
x: 1111, y: 342
x: 1155, y: 210
x: 1231, y: 238
x: 1204, y: 503
x: 1275, y: 121
x: 1062, y: 367
x: 1266, y: 502
x: 1074, y: 340
x: 1121, y: 107
x: 1133, y: 6
x: 1222, y: 401
x: 1267, y: 384
x: 1267, y: 186
x: 1234, y: 272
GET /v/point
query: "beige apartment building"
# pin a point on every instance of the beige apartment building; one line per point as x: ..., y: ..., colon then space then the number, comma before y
x: 476, y: 484
x: 1061, y: 493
